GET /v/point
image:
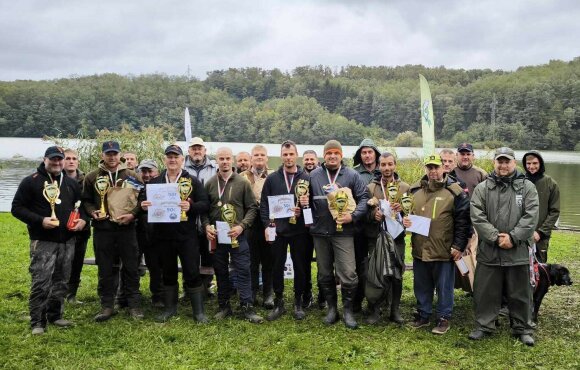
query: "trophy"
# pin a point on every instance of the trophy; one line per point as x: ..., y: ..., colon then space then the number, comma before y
x: 300, y: 190
x: 393, y: 195
x: 341, y: 205
x: 229, y: 216
x: 51, y: 193
x: 407, y: 204
x: 102, y: 185
x: 185, y: 188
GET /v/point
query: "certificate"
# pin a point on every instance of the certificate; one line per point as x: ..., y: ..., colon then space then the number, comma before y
x: 280, y: 206
x: 420, y: 225
x: 164, y: 200
x: 223, y: 229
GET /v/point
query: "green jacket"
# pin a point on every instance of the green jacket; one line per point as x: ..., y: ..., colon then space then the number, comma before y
x: 504, y: 205
x: 372, y: 226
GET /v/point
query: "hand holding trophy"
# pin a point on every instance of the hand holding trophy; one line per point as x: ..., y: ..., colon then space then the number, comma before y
x: 229, y: 215
x: 185, y: 188
x: 407, y: 204
x: 102, y: 185
x: 300, y: 190
x: 51, y: 193
x: 341, y: 205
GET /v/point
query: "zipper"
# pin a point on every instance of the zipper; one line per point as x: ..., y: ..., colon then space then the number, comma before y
x: 434, y: 209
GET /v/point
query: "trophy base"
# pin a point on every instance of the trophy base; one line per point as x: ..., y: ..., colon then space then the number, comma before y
x: 235, y: 243
x: 101, y: 218
x: 339, y: 228
x: 292, y: 220
x: 184, y: 218
x: 54, y: 222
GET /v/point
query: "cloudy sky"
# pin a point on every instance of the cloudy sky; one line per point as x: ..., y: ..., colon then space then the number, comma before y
x: 42, y: 39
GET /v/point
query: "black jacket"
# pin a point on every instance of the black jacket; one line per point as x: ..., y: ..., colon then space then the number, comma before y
x: 183, y: 230
x: 30, y: 206
x: 276, y: 185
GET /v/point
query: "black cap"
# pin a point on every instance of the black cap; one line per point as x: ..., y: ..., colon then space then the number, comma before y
x: 111, y: 146
x: 53, y: 152
x: 465, y: 147
x: 173, y: 148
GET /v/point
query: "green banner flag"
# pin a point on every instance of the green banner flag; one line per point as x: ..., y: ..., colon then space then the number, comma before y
x: 427, y: 121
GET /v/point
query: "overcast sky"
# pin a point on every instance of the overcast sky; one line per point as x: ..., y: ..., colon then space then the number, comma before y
x: 51, y: 39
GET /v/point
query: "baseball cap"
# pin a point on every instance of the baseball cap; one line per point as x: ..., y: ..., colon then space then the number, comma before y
x: 53, y: 152
x: 505, y: 152
x: 196, y: 141
x: 111, y: 146
x: 433, y: 159
x: 173, y: 148
x: 465, y: 147
x: 148, y: 163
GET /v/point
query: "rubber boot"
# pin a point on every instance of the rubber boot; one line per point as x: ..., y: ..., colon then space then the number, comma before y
x: 374, y: 314
x: 347, y: 302
x: 278, y: 310
x: 269, y: 300
x: 397, y: 291
x: 170, y: 296
x: 331, y: 303
x: 250, y: 314
x: 299, y: 313
x: 196, y: 297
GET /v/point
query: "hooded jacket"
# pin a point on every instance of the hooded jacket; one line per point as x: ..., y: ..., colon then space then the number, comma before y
x: 92, y: 200
x: 372, y: 226
x: 30, y: 206
x: 447, y: 205
x: 359, y: 167
x: 275, y: 184
x: 202, y: 172
x: 548, y: 194
x: 504, y: 205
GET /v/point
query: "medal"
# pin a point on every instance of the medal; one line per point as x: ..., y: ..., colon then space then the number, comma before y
x: 221, y: 191
x: 219, y: 203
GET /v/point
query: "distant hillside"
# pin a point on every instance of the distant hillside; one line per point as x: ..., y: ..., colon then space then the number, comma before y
x: 533, y: 107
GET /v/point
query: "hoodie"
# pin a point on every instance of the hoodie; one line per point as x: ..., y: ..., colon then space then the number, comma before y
x: 359, y: 167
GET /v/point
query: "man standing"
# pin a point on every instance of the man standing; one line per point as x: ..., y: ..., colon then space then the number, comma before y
x: 243, y: 161
x: 377, y: 189
x: 149, y: 170
x: 448, y: 160
x: 198, y: 164
x: 52, y: 244
x: 335, y: 249
x: 309, y: 161
x: 466, y: 171
x: 549, y: 196
x: 113, y: 239
x: 260, y: 250
x: 228, y: 188
x: 130, y: 160
x: 366, y: 163
x: 284, y: 182
x: 179, y: 239
x: 504, y: 212
x: 439, y: 198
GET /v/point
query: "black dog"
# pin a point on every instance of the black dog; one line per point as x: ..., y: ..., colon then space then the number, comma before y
x: 549, y: 275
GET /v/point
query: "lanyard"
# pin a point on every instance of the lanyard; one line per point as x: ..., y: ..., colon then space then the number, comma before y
x: 113, y: 183
x: 53, y: 180
x: 177, y: 179
x: 220, y: 190
x: 289, y: 183
x: 332, y: 181
x: 383, y: 187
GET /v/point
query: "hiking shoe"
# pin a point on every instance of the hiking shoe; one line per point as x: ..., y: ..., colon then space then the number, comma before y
x: 269, y: 301
x: 62, y: 323
x: 105, y: 314
x: 72, y: 299
x: 39, y: 330
x: 419, y: 323
x: 307, y: 301
x: 526, y: 339
x: 442, y: 327
x: 223, y: 313
x: 478, y: 334
x: 136, y: 313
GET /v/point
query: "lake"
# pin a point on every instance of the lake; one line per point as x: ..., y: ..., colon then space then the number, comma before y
x: 564, y: 167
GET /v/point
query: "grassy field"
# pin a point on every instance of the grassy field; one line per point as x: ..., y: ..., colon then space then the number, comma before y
x: 181, y: 343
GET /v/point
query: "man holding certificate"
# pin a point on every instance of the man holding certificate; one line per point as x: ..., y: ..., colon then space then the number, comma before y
x: 278, y: 197
x: 176, y: 236
x: 442, y: 208
x: 232, y: 210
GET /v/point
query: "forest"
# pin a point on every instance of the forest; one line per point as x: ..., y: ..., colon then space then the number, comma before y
x: 531, y: 107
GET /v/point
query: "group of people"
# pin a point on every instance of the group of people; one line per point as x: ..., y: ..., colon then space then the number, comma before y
x: 500, y: 217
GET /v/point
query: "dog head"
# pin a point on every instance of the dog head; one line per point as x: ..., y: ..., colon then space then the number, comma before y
x: 560, y: 275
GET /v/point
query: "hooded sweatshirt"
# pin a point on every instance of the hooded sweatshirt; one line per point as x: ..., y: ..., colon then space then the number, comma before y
x: 359, y: 167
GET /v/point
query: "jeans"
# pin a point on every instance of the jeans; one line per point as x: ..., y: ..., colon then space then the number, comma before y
x: 438, y: 275
x: 241, y: 260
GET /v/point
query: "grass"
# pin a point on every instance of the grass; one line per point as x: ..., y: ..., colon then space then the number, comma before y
x: 181, y: 343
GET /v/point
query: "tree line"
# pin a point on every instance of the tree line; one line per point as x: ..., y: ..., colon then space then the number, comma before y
x: 532, y: 107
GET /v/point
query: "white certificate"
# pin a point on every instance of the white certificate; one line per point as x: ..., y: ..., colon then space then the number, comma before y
x: 280, y: 206
x: 420, y: 225
x: 223, y: 228
x: 164, y: 200
x: 385, y: 208
x: 394, y: 227
x: 307, y: 212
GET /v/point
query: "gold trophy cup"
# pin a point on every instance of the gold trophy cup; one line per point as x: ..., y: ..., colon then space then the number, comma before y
x: 229, y: 215
x: 102, y: 185
x: 300, y: 190
x: 51, y: 193
x: 185, y: 189
x: 407, y: 204
x: 341, y: 204
x: 393, y: 195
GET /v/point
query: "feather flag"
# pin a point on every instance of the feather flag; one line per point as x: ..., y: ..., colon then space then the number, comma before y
x: 187, y: 127
x: 427, y: 121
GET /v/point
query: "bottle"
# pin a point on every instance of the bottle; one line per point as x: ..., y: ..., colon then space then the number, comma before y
x: 74, y: 215
x: 271, y: 231
x: 212, y: 243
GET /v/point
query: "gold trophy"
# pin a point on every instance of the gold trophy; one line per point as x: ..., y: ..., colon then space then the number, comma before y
x: 393, y: 195
x: 229, y: 215
x: 341, y: 204
x: 51, y: 193
x: 102, y: 185
x: 185, y: 189
x: 300, y: 190
x: 407, y: 204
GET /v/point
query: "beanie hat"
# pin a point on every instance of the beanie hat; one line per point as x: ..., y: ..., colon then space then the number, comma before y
x: 332, y: 145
